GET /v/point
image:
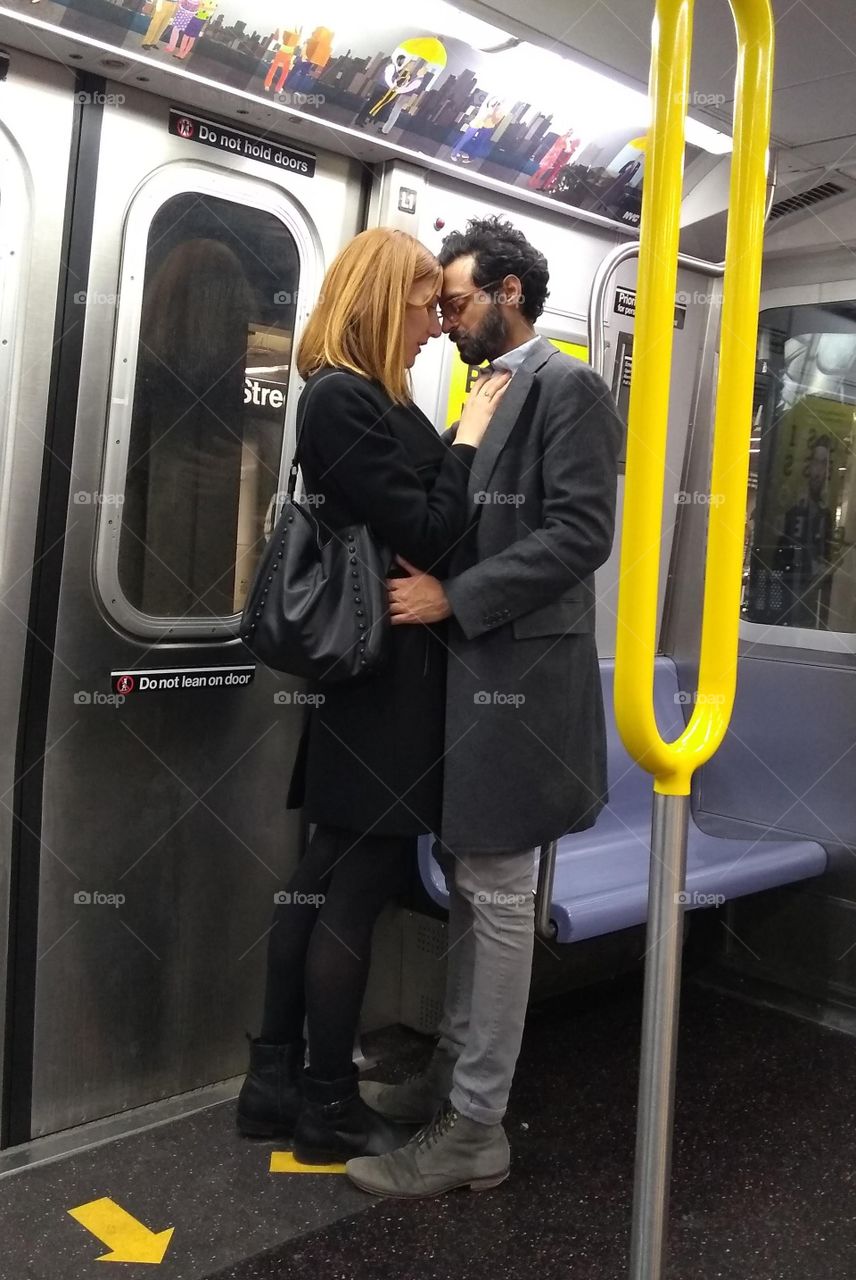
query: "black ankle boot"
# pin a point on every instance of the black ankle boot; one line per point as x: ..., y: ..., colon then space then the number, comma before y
x: 335, y: 1124
x: 270, y: 1096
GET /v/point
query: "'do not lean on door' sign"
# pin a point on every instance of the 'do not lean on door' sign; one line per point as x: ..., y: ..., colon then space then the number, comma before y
x: 179, y: 679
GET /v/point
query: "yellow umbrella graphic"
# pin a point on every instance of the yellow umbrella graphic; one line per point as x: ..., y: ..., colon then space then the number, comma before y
x: 428, y: 48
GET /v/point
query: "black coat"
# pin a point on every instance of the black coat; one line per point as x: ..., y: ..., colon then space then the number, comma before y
x: 526, y: 752
x: 371, y: 756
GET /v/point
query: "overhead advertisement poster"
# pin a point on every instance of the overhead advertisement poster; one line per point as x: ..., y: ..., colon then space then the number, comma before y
x: 424, y: 76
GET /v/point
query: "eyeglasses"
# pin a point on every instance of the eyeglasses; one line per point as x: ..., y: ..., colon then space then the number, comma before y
x: 433, y: 308
x: 451, y: 308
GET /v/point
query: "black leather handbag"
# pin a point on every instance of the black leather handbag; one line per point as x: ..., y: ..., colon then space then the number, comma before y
x: 318, y: 607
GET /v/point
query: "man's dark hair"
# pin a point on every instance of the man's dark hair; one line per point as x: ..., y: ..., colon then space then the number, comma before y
x: 500, y: 250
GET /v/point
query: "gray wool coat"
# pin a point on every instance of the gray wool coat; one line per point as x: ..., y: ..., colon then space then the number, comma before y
x: 525, y: 751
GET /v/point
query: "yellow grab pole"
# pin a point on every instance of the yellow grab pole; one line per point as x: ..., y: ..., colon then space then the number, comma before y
x: 673, y: 763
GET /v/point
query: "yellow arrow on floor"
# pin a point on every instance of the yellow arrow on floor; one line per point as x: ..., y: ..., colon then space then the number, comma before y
x: 284, y: 1162
x: 127, y: 1238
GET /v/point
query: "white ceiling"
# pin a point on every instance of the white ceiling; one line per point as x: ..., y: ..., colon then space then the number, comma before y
x: 814, y: 100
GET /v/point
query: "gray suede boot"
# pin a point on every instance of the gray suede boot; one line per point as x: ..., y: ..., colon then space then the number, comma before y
x: 452, y: 1151
x: 417, y: 1099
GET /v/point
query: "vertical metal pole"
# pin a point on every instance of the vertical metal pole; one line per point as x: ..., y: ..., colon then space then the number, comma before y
x: 544, y: 891
x: 659, y: 1035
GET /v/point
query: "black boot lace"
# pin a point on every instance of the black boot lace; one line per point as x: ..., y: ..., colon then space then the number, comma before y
x: 444, y: 1120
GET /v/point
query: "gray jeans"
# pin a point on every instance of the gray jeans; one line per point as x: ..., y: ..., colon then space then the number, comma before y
x: 491, y: 936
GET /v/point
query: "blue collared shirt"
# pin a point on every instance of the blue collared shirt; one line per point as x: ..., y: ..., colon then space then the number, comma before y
x: 514, y: 359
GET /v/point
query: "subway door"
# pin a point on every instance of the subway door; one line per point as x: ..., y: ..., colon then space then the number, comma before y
x: 167, y: 753
x: 37, y: 113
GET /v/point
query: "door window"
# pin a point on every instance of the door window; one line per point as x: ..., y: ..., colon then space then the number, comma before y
x: 208, y: 411
x: 218, y: 274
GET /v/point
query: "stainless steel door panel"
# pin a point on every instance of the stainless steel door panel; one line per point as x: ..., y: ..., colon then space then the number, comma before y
x: 171, y: 806
x: 35, y: 104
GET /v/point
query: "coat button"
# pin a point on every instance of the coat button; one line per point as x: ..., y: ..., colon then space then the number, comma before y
x: 353, y: 559
x: 359, y: 613
x: 358, y: 600
x: 354, y: 573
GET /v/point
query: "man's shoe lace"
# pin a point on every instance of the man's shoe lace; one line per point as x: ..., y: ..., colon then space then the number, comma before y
x: 444, y: 1120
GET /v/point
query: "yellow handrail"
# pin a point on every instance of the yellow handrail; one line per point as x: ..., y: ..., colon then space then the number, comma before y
x: 673, y: 763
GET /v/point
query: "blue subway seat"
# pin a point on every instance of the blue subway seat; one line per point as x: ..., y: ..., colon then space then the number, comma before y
x: 601, y: 880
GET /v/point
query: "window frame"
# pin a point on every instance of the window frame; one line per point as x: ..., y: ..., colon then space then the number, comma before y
x: 16, y: 223
x: 174, y: 179
x: 769, y: 634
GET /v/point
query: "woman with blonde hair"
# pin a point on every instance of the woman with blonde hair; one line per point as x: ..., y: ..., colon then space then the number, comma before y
x: 369, y: 770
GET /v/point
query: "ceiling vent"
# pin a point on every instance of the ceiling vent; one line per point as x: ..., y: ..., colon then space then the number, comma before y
x: 814, y: 195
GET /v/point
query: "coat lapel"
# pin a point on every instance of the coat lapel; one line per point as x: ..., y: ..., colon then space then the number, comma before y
x: 503, y: 420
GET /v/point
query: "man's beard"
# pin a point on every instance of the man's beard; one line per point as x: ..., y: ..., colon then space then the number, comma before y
x: 488, y: 341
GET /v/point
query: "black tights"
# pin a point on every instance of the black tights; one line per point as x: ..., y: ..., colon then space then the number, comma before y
x: 319, y: 947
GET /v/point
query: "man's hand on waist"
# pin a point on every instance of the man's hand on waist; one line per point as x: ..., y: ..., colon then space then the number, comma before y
x: 416, y: 598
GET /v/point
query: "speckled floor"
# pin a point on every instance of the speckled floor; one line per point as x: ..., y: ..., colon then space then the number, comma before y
x: 763, y: 1184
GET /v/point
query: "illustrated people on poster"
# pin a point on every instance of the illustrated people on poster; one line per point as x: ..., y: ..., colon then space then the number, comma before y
x: 319, y: 47
x: 195, y: 27
x: 401, y: 100
x: 474, y: 143
x: 410, y: 69
x: 184, y: 15
x: 283, y: 59
x: 395, y: 77
x: 805, y: 547
x: 311, y: 60
x: 614, y: 193
x: 553, y: 161
x: 162, y: 16
x: 613, y: 198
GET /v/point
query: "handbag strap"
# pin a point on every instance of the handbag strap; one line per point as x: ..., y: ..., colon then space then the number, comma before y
x: 321, y: 376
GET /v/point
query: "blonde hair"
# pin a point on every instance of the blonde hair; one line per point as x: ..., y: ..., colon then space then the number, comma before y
x: 358, y: 321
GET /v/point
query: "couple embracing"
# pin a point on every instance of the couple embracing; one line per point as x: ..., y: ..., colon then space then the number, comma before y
x: 485, y: 727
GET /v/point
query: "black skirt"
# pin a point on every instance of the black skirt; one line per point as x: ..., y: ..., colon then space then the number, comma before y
x: 371, y: 754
